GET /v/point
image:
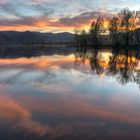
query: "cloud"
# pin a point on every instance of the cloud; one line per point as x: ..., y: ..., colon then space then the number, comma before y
x: 55, y: 15
x: 82, y: 19
x: 44, y: 17
x: 45, y: 23
x: 45, y: 1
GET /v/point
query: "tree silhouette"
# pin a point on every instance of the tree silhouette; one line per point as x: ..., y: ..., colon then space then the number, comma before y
x: 114, y: 30
x: 95, y: 31
x: 123, y: 30
x: 128, y: 19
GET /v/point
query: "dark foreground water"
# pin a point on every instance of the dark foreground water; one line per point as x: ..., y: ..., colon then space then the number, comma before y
x: 92, y: 96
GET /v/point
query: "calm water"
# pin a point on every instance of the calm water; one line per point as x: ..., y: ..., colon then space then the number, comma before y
x: 90, y: 96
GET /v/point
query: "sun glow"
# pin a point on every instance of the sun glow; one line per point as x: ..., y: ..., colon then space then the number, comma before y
x: 106, y: 24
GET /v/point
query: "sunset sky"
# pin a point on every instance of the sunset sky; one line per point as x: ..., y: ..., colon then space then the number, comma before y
x: 57, y: 15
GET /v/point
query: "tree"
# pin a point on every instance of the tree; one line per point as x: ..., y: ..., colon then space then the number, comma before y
x: 83, y: 37
x: 114, y: 30
x: 95, y: 31
x: 137, y: 33
x: 76, y: 35
x: 128, y: 19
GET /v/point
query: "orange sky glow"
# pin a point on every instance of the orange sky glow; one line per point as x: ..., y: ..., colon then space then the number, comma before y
x: 57, y: 15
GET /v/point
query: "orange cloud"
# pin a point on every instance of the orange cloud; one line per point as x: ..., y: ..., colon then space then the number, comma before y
x: 47, y: 25
x: 18, y: 28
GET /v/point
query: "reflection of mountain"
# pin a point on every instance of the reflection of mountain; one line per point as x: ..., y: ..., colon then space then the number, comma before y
x: 13, y: 37
x: 121, y: 64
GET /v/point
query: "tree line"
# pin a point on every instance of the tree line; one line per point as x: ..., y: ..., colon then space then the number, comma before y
x: 121, y: 29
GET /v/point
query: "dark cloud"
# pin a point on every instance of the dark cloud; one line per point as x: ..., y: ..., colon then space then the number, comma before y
x: 83, y: 18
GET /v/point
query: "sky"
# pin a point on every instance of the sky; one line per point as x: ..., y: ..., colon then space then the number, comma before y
x: 57, y: 15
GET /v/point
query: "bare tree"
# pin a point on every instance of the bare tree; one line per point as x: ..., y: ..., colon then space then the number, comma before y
x: 137, y: 33
x: 95, y: 31
x: 76, y: 35
x: 83, y: 37
x: 122, y: 28
x: 114, y: 30
x: 128, y: 19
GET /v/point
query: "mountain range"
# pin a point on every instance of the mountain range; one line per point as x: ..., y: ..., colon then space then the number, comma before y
x: 14, y: 37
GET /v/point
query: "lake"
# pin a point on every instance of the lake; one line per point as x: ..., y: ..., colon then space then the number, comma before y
x: 91, y: 95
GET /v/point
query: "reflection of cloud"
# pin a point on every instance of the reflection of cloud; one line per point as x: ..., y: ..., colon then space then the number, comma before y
x: 21, y: 120
x: 66, y: 99
x: 3, y: 1
x: 79, y: 130
x: 12, y: 110
x: 77, y: 107
x: 56, y: 79
x: 40, y: 63
x: 20, y: 117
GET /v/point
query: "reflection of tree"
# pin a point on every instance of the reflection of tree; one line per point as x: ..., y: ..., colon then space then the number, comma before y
x: 94, y: 63
x: 121, y: 64
x: 126, y: 72
x: 137, y: 79
x: 123, y: 67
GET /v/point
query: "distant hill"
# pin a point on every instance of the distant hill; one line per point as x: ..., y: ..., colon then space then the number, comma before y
x: 14, y: 37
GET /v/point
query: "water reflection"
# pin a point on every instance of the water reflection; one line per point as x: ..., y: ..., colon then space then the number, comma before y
x: 121, y: 64
x: 48, y: 97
